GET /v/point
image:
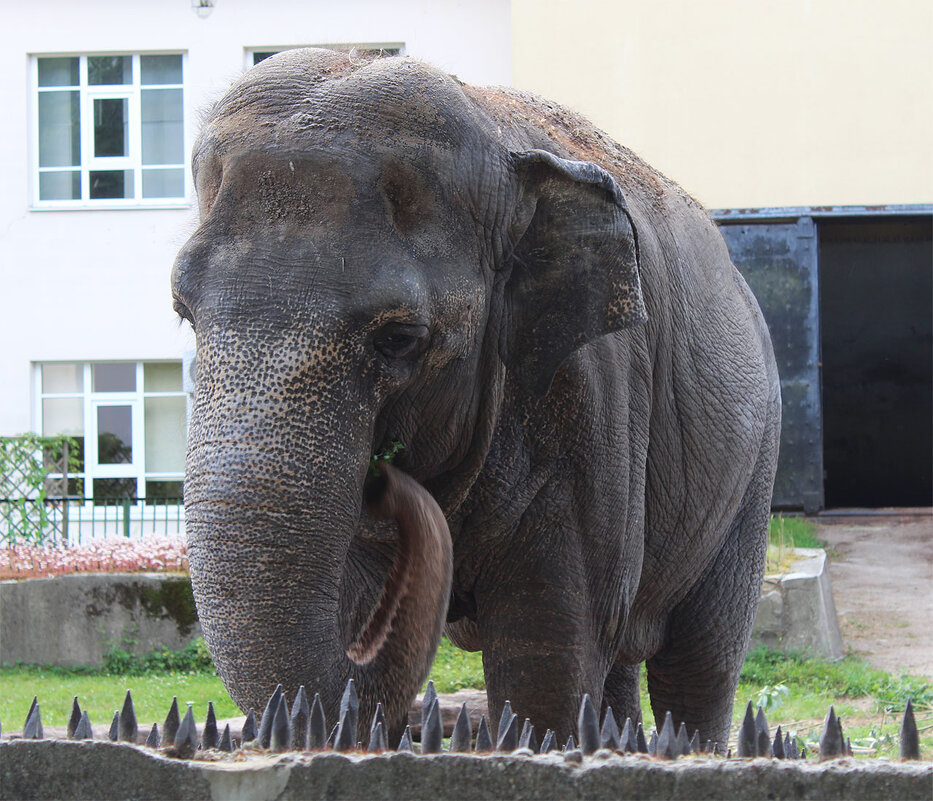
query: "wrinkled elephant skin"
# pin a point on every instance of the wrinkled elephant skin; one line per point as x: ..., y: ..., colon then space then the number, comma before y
x: 583, y: 383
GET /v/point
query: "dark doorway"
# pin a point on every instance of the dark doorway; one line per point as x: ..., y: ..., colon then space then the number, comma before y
x: 876, y: 313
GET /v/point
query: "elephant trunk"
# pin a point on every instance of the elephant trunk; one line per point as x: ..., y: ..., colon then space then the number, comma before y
x: 266, y: 567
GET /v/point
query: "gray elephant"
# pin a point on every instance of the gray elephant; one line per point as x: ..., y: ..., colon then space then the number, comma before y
x: 583, y: 384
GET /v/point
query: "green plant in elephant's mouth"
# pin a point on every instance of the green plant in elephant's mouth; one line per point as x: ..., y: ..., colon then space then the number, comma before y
x: 387, y: 455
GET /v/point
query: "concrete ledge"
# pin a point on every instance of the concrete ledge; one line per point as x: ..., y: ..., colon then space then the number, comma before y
x: 74, y: 619
x: 797, y: 612
x: 50, y: 769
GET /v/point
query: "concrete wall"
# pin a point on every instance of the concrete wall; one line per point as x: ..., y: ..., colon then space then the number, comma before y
x: 74, y: 620
x: 803, y: 102
x: 92, y: 284
x: 79, y: 770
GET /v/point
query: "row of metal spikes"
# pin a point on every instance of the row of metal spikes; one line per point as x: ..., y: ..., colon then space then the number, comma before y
x: 304, y: 728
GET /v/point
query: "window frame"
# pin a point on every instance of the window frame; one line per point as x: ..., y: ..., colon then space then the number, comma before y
x: 91, y: 399
x: 133, y: 161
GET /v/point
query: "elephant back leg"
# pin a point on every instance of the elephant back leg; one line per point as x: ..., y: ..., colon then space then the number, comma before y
x: 695, y: 673
x: 621, y: 693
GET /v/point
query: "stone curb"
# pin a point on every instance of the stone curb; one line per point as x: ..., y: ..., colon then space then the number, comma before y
x: 51, y: 769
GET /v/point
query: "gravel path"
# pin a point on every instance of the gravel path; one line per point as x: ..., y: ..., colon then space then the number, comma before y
x: 881, y: 569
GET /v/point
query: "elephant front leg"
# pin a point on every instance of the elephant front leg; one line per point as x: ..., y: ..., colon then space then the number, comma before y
x: 538, y: 654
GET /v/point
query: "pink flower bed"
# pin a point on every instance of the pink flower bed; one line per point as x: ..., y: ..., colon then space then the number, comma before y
x: 152, y: 554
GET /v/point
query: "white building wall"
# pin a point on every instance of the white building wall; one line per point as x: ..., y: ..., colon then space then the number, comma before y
x: 84, y: 285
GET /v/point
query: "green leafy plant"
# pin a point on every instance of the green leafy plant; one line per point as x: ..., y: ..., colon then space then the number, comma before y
x: 387, y: 455
x: 771, y: 696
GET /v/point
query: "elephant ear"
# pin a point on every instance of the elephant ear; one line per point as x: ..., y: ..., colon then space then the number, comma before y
x: 574, y: 266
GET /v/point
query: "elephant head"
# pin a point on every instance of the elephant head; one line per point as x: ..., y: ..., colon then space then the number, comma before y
x: 373, y: 261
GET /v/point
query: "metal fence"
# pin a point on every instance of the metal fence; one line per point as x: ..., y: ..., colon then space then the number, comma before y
x: 71, y: 521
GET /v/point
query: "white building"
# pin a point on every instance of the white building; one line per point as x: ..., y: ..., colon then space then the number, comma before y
x: 102, y: 103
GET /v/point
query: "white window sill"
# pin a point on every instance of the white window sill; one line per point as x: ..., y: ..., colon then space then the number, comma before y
x: 123, y: 206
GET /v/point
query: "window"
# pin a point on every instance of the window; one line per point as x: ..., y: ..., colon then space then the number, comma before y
x: 129, y: 420
x: 110, y: 130
x: 365, y: 52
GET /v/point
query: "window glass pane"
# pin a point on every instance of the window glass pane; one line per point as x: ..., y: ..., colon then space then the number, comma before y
x: 109, y: 70
x: 162, y: 126
x: 164, y: 183
x: 114, y: 434
x: 111, y: 184
x: 119, y: 377
x: 60, y: 185
x: 63, y: 416
x: 58, y: 71
x: 111, y: 126
x: 162, y: 377
x: 159, y: 492
x: 160, y: 69
x: 113, y: 489
x: 59, y: 129
x: 64, y: 377
x: 165, y: 435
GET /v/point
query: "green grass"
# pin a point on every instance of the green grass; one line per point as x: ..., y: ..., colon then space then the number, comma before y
x: 793, y: 532
x: 870, y: 701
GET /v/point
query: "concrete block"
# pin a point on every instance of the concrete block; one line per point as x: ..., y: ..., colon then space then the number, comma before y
x: 796, y: 612
x: 74, y: 619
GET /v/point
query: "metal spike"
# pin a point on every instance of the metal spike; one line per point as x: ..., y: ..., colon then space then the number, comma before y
x: 527, y: 738
x: 627, y: 742
x: 549, y: 743
x: 790, y: 747
x: 709, y: 747
x: 186, y: 738
x: 379, y: 716
x: 570, y: 745
x: 803, y: 752
x: 332, y: 737
x: 300, y: 720
x: 831, y: 743
x: 129, y: 728
x: 430, y: 696
x: 694, y: 743
x: 588, y: 726
x: 666, y: 746
x: 729, y: 754
x: 849, y: 747
x: 747, y: 745
x: 777, y: 745
x: 609, y: 735
x: 508, y: 737
x: 75, y: 718
x: 432, y: 732
x: 405, y: 743
x: 226, y: 740
x: 32, y: 707
x: 377, y: 739
x: 641, y: 744
x: 762, y: 735
x: 683, y: 742
x: 281, y: 735
x: 210, y: 736
x: 83, y: 730
x: 909, y: 736
x: 653, y: 743
x: 483, y: 740
x: 172, y: 722
x: 349, y: 719
x: 33, y: 728
x: 462, y: 737
x: 114, y: 734
x: 268, y: 715
x: 152, y: 741
x: 249, y: 731
x: 317, y: 725
x: 504, y: 719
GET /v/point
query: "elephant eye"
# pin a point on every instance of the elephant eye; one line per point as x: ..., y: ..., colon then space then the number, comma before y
x: 400, y: 341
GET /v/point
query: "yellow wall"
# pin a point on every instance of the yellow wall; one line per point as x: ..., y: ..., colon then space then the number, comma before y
x: 748, y: 103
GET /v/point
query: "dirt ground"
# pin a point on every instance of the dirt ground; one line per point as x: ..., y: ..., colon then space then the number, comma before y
x: 881, y: 569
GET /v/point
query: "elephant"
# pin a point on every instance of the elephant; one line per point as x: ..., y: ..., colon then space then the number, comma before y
x: 583, y: 385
